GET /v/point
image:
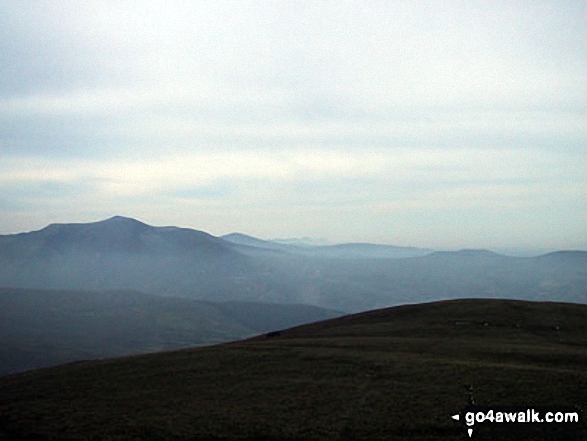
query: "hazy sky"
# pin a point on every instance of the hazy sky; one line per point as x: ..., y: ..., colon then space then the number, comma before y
x: 426, y: 123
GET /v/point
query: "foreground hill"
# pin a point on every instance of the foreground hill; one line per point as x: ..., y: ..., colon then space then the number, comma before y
x: 45, y: 328
x: 390, y: 374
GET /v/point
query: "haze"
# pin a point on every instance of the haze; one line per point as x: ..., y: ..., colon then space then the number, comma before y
x: 443, y: 125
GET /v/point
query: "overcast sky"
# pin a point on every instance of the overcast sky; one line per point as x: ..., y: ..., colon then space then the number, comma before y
x: 442, y: 124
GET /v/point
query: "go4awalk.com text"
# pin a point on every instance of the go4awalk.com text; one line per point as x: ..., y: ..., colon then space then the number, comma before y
x: 563, y: 420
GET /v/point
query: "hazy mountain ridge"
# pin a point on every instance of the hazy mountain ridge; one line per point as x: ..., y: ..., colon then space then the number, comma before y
x: 370, y: 251
x: 349, y: 250
x: 116, y: 234
x: 121, y: 253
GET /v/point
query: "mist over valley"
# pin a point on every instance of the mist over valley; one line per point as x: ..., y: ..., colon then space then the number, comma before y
x: 291, y: 220
x: 125, y: 254
x: 119, y: 286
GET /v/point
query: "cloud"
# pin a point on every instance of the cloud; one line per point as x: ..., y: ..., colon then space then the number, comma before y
x: 408, y: 171
x: 370, y: 113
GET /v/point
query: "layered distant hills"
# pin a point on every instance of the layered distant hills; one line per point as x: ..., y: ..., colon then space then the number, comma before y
x: 73, y: 292
x: 124, y: 254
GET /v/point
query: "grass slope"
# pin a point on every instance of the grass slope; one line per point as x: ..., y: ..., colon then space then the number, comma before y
x: 41, y: 328
x: 396, y: 373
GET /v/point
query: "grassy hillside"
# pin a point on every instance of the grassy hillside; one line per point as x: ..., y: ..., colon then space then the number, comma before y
x: 44, y: 328
x: 390, y: 374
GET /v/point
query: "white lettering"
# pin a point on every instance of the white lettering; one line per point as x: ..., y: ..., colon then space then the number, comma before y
x: 510, y: 417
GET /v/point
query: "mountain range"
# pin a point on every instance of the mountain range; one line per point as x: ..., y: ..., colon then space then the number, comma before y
x: 81, y: 294
x: 125, y: 254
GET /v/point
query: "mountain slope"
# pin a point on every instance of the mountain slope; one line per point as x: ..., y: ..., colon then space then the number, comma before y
x: 120, y: 254
x: 46, y: 328
x: 243, y: 239
x: 125, y: 254
x: 366, y: 251
x: 390, y: 374
x: 117, y: 234
x: 344, y: 250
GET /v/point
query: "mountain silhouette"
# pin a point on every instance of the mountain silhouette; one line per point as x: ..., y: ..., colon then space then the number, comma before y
x: 116, y: 234
x: 125, y: 254
x: 117, y: 253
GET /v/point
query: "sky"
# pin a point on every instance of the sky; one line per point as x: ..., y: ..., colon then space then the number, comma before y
x: 442, y: 124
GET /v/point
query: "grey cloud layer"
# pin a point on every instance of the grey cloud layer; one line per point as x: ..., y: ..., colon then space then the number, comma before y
x: 403, y: 112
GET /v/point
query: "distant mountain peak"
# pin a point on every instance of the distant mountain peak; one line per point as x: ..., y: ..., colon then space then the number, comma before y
x: 476, y: 252
x: 239, y: 236
x: 122, y: 220
x: 117, y: 234
x: 468, y: 252
x: 111, y: 221
x: 302, y: 241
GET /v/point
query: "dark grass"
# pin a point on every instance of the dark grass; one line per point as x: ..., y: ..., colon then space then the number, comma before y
x: 390, y: 374
x: 42, y: 328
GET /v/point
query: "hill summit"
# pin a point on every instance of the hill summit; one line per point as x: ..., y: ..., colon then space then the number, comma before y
x: 396, y: 373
